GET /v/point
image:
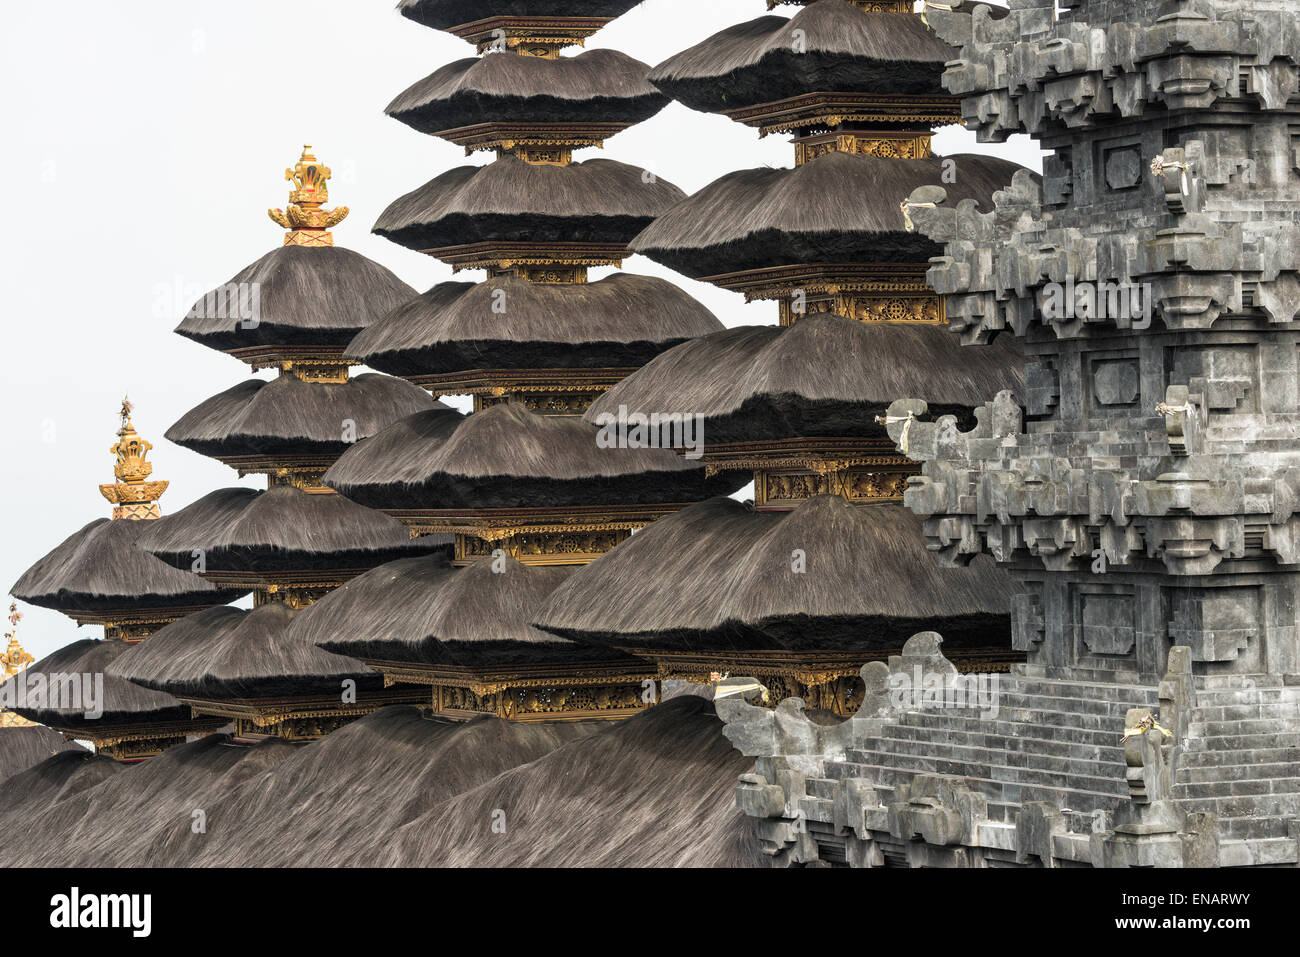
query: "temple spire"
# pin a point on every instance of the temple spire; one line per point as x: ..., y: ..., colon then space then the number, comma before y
x: 305, y: 218
x: 133, y: 496
x: 14, y: 660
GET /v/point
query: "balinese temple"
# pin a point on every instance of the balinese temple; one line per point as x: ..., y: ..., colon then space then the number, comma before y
x: 801, y: 404
x: 522, y: 482
x: 98, y: 576
x: 294, y: 310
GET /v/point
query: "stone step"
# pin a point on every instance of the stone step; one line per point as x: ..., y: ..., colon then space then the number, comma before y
x: 1280, y: 806
x: 1085, y: 729
x: 1222, y: 682
x: 1070, y: 674
x: 1278, y: 711
x: 1243, y: 726
x: 1042, y: 702
x: 1236, y: 772
x: 1260, y: 786
x: 1242, y: 742
x: 1209, y: 759
x: 1005, y: 793
x: 992, y: 766
x: 1141, y: 695
x: 1062, y: 764
x: 1241, y: 696
x: 1252, y: 828
x: 1107, y: 754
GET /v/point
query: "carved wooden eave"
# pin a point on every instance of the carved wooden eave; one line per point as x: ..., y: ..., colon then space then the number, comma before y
x: 537, y: 691
x: 548, y: 391
x: 298, y: 718
x: 529, y: 258
x: 530, y: 36
x: 131, y: 742
x: 310, y: 362
x: 790, y: 471
x: 544, y: 143
x: 136, y: 624
x: 869, y: 292
x: 828, y: 112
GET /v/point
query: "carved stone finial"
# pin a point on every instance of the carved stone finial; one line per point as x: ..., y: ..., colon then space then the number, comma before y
x: 305, y: 218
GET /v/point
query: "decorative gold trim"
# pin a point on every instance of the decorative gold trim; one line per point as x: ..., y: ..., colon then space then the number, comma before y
x: 885, y: 144
x: 543, y: 143
x: 305, y: 217
x: 132, y: 495
x: 508, y: 256
x: 529, y: 36
x: 827, y: 112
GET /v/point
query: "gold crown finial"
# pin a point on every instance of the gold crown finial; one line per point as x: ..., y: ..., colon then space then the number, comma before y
x: 308, y: 223
x: 14, y: 660
x: 132, y: 494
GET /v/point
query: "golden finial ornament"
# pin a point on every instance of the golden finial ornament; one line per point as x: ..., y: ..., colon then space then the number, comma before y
x: 308, y: 223
x: 133, y: 496
x: 14, y: 660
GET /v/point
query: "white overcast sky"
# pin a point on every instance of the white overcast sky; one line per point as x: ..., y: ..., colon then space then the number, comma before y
x: 144, y: 141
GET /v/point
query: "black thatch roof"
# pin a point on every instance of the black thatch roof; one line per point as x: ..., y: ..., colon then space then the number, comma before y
x: 824, y: 375
x: 287, y: 416
x: 445, y: 14
x: 604, y: 86
x: 21, y: 748
x: 398, y: 789
x: 99, y: 569
x: 838, y: 208
x: 423, y: 610
x: 123, y: 703
x: 509, y: 200
x: 621, y: 321
x: 306, y: 296
x: 225, y: 653
x: 845, y: 49
x: 509, y: 457
x: 718, y: 576
x: 281, y: 529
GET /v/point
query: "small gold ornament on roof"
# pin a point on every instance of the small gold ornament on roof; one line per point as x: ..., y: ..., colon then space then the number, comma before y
x: 305, y: 218
x: 133, y: 496
x: 14, y: 660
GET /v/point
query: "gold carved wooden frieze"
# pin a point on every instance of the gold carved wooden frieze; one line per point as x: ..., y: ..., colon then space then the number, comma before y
x: 811, y: 113
x: 885, y: 144
x: 541, y: 548
x: 538, y: 36
x: 867, y: 292
x: 789, y: 487
x: 560, y: 700
x: 561, y: 258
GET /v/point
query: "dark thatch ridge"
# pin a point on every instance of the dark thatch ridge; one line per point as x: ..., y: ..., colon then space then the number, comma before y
x: 604, y: 86
x: 445, y: 14
x: 837, y: 208
x: 99, y: 569
x: 509, y: 457
x: 313, y: 296
x: 398, y: 789
x: 22, y: 748
x: 225, y: 653
x: 718, y: 576
x: 281, y: 529
x: 423, y: 610
x: 825, y: 375
x: 845, y: 50
x: 621, y: 321
x: 287, y: 416
x: 509, y: 200
x: 124, y: 702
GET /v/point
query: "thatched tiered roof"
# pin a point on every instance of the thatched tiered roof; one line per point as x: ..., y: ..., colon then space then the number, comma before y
x: 605, y: 86
x: 425, y: 611
x: 509, y: 457
x: 123, y: 703
x: 99, y: 570
x: 287, y: 416
x: 824, y: 375
x: 398, y: 789
x: 840, y: 48
x: 24, y: 747
x: 317, y: 296
x: 226, y: 653
x: 718, y: 576
x: 838, y: 208
x: 444, y: 14
x: 281, y: 529
x: 621, y: 321
x: 509, y: 200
